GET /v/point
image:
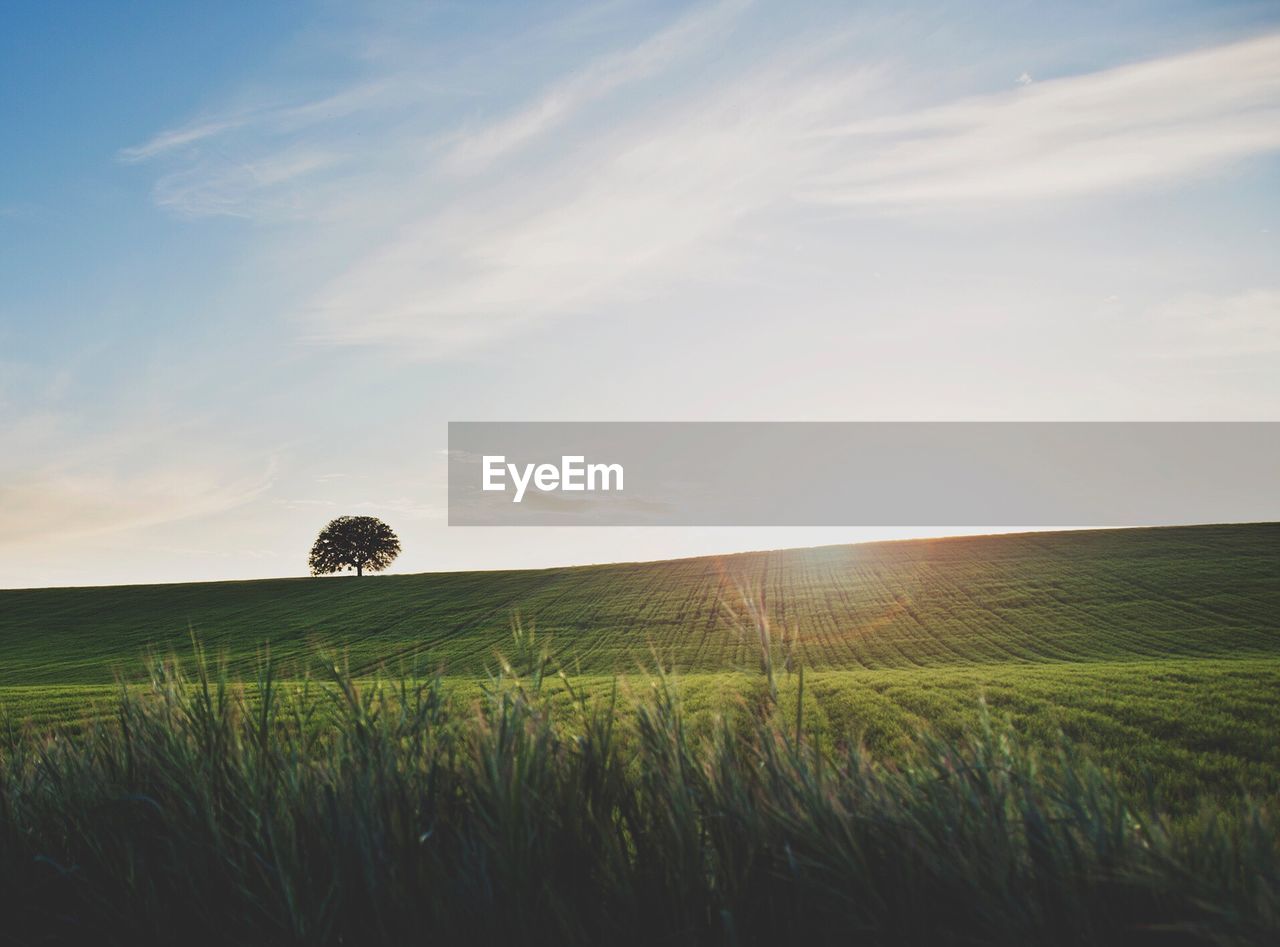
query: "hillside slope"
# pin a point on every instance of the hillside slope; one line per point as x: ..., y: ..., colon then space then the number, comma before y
x: 1106, y: 595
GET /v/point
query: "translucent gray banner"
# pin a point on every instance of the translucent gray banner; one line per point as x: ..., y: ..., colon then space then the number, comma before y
x: 862, y: 474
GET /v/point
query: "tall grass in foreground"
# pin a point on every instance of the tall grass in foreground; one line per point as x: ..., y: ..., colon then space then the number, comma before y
x: 358, y: 812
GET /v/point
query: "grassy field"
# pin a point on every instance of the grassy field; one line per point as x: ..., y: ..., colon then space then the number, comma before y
x: 1125, y: 794
x: 1031, y: 599
x: 203, y: 811
x: 1183, y: 728
x: 1157, y: 648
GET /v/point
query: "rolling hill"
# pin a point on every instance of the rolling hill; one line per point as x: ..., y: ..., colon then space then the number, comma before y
x: 1158, y: 649
x: 1107, y: 595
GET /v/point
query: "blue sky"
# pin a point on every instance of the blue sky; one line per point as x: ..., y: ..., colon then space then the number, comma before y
x: 253, y: 257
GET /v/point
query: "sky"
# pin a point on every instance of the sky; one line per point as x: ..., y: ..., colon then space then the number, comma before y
x: 254, y: 257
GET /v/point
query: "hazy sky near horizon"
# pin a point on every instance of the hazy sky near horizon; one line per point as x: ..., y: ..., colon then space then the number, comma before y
x: 254, y: 257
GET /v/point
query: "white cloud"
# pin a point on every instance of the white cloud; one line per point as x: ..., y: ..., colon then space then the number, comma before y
x: 1149, y: 122
x: 53, y: 508
x: 478, y: 147
x: 60, y: 482
x: 185, y: 136
x: 641, y: 197
x: 264, y: 161
x: 633, y: 209
x: 266, y: 186
x: 274, y: 118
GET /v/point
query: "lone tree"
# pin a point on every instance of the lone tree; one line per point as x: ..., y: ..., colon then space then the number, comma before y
x: 354, y: 542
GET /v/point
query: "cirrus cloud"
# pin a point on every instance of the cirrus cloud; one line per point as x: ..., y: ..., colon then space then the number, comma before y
x: 468, y: 236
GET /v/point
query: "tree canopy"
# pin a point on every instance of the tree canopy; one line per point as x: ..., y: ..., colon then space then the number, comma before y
x: 355, y: 543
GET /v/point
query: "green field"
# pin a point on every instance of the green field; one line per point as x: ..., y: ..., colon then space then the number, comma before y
x: 1157, y: 648
x: 1030, y: 599
x: 401, y: 771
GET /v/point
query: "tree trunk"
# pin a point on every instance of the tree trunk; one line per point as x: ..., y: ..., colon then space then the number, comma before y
x: 359, y: 569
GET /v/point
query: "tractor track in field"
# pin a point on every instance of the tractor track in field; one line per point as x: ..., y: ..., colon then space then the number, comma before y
x: 418, y: 647
x: 1070, y: 597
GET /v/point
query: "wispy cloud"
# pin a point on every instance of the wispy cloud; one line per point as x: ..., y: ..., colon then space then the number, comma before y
x: 642, y: 193
x: 52, y: 508
x: 251, y: 188
x: 263, y: 161
x: 182, y: 137
x: 477, y: 147
x: 629, y: 211
x: 275, y: 118
x: 59, y: 482
x: 1148, y: 122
